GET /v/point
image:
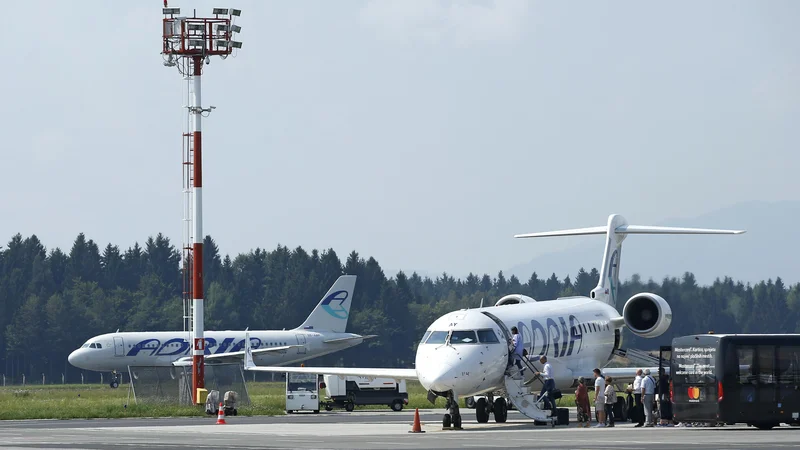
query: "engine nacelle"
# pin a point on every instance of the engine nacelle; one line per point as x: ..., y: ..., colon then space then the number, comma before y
x: 647, y: 315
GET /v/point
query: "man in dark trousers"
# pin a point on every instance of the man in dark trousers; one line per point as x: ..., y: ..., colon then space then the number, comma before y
x: 637, y: 398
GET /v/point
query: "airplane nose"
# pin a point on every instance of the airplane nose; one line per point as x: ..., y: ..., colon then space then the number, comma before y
x: 75, y: 358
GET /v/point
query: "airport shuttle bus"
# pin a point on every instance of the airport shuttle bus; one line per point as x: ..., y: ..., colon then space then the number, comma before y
x: 744, y: 378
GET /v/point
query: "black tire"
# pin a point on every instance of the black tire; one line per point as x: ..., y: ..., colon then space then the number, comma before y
x: 470, y: 402
x: 397, y: 405
x: 114, y: 384
x: 289, y: 411
x: 349, y: 407
x: 500, y: 410
x: 446, y: 421
x: 328, y: 408
x: 482, y: 410
x: 457, y: 421
x: 766, y: 426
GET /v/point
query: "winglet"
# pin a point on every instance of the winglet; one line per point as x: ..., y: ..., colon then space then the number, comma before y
x: 248, y: 350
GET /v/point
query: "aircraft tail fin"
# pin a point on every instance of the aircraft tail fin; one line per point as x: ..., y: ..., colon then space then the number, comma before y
x: 616, y: 230
x: 333, y: 310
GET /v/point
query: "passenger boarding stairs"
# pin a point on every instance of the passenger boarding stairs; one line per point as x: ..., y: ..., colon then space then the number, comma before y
x: 523, y: 391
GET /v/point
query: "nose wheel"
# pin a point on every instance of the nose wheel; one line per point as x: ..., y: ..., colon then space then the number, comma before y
x: 115, y: 380
x: 453, y: 416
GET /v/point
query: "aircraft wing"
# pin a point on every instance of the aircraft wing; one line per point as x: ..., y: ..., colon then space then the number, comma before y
x: 624, y: 375
x: 405, y: 374
x: 345, y: 339
x: 233, y: 356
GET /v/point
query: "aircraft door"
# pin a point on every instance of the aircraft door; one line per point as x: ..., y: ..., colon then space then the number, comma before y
x: 119, y: 347
x: 301, y: 340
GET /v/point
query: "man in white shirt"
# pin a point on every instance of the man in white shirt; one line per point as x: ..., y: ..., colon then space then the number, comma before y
x: 637, y: 397
x: 648, y: 395
x: 600, y: 398
x: 548, y: 383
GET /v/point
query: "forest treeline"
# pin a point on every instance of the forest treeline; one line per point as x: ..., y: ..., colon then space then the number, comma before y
x: 51, y: 301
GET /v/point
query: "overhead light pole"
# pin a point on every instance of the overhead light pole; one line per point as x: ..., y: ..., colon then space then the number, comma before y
x: 188, y: 44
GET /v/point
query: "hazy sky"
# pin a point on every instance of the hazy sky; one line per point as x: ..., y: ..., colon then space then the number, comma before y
x: 424, y: 133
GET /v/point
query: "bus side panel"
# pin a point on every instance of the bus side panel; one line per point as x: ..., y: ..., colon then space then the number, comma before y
x: 693, y: 369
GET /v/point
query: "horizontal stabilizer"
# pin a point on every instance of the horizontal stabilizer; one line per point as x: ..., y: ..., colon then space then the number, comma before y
x: 345, y: 339
x: 629, y: 229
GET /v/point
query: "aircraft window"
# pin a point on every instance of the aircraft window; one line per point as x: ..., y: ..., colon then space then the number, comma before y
x: 92, y: 346
x: 99, y: 346
x: 463, y: 337
x: 425, y: 336
x: 436, y: 337
x: 84, y: 345
x: 487, y: 336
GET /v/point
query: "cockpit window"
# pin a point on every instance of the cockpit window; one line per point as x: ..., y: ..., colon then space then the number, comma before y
x: 463, y: 337
x: 436, y: 337
x: 487, y: 336
x: 85, y: 345
x: 425, y: 337
x: 93, y: 345
x: 99, y: 346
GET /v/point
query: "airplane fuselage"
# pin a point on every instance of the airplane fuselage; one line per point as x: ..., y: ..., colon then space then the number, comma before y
x: 161, y: 348
x: 575, y: 334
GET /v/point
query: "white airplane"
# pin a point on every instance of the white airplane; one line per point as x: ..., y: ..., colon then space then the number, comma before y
x: 322, y: 333
x: 465, y: 353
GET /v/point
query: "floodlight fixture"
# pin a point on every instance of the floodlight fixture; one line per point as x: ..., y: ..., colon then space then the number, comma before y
x: 236, y: 12
x: 236, y: 28
x: 223, y: 28
x: 196, y: 27
x: 196, y: 42
x: 220, y: 11
x: 171, y: 11
x: 236, y: 44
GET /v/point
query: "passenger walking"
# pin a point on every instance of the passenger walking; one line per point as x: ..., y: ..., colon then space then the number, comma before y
x: 611, y: 399
x: 582, y: 402
x: 637, y: 398
x: 600, y: 398
x: 664, y: 401
x: 648, y: 394
x: 548, y: 383
x: 515, y: 355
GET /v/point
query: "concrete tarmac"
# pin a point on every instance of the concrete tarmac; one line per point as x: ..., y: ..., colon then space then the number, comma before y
x: 371, y: 430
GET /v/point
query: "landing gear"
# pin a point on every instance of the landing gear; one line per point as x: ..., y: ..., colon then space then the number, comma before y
x: 482, y: 410
x: 500, y: 410
x: 453, y: 416
x: 115, y: 380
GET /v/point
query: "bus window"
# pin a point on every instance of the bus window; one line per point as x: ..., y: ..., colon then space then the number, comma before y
x: 745, y: 357
x: 789, y: 365
x: 766, y: 364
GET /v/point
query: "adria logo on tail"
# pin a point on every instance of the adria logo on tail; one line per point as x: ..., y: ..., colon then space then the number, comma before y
x: 337, y: 310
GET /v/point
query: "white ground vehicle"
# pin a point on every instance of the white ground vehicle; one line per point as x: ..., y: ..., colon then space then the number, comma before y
x: 302, y: 392
x: 346, y: 392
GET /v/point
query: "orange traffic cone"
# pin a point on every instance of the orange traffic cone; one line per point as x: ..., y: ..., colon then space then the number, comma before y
x: 221, y: 415
x: 417, y: 427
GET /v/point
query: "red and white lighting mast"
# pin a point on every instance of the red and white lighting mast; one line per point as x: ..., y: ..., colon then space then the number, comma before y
x: 188, y: 44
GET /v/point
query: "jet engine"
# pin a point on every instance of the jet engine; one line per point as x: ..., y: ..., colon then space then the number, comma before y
x: 647, y: 315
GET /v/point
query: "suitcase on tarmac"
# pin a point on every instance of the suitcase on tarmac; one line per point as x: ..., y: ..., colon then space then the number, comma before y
x: 562, y: 416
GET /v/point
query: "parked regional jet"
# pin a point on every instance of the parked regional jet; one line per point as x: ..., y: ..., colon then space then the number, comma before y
x: 465, y: 353
x: 322, y: 333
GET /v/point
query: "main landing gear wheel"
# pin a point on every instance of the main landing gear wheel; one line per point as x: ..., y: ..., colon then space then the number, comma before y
x: 482, y: 410
x: 446, y: 421
x: 500, y: 410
